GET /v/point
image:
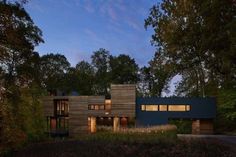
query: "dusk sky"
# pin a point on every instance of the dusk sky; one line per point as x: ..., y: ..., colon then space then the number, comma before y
x: 77, y: 28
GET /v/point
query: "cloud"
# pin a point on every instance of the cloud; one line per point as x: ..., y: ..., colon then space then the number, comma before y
x: 94, y: 37
x: 115, y: 29
x: 107, y: 8
x: 112, y: 13
x: 135, y: 25
x: 120, y: 5
x: 89, y: 7
x: 90, y: 33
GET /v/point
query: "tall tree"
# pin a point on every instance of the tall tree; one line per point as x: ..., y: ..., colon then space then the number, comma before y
x: 18, y: 36
x: 20, y: 108
x: 156, y: 77
x: 198, y: 38
x: 53, y: 69
x: 101, y: 64
x: 123, y: 69
x: 85, y: 78
x: 197, y: 35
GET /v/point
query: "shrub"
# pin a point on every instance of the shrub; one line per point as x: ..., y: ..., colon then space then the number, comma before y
x: 183, y: 126
x: 104, y: 128
x: 151, y: 129
x: 156, y: 134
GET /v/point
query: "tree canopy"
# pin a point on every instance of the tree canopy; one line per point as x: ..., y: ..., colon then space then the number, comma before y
x: 20, y: 110
x: 53, y: 69
x: 197, y: 39
x: 86, y: 76
x: 124, y: 70
x: 197, y: 36
x: 18, y: 36
x: 101, y: 64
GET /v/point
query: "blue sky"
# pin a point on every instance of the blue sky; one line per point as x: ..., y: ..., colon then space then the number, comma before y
x: 76, y: 28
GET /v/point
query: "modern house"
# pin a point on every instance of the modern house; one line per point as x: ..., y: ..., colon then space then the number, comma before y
x: 82, y: 114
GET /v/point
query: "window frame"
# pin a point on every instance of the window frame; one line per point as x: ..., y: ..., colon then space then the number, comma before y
x: 143, y: 107
x: 151, y: 108
x: 58, y: 105
x: 96, y: 106
x: 166, y: 108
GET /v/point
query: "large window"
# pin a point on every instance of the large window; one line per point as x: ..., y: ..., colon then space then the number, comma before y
x: 165, y: 107
x: 96, y: 107
x: 143, y: 107
x: 187, y: 107
x: 151, y: 108
x: 61, y: 107
x: 105, y: 106
x: 162, y: 107
x: 108, y: 104
x: 177, y: 107
x: 58, y: 124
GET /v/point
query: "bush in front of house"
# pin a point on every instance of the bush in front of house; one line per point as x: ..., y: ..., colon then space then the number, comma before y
x: 155, y: 134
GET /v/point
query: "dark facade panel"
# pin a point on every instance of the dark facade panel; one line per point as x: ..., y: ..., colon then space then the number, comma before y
x: 200, y: 108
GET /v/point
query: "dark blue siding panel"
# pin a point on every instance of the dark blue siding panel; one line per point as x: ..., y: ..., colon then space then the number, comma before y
x: 201, y: 108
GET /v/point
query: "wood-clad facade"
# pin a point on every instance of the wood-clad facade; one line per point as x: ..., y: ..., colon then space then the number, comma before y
x: 78, y: 122
x: 84, y: 110
x: 202, y: 126
x: 123, y: 99
x: 76, y: 115
x: 48, y: 107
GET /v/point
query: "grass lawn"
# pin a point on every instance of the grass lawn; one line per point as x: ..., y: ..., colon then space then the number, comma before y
x: 106, y: 144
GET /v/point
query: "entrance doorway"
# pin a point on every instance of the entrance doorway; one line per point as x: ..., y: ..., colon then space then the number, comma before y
x: 124, y: 122
x: 96, y: 124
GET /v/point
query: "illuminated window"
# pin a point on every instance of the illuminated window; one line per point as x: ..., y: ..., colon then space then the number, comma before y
x: 176, y: 108
x: 61, y: 107
x: 151, y: 107
x: 143, y: 107
x: 162, y: 107
x: 108, y: 104
x: 165, y: 108
x: 187, y: 107
x: 101, y: 107
x: 108, y: 101
x: 59, y: 122
x: 96, y: 107
x: 58, y: 111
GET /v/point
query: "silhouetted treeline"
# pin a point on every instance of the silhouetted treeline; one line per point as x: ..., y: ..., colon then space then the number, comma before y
x: 87, y: 78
